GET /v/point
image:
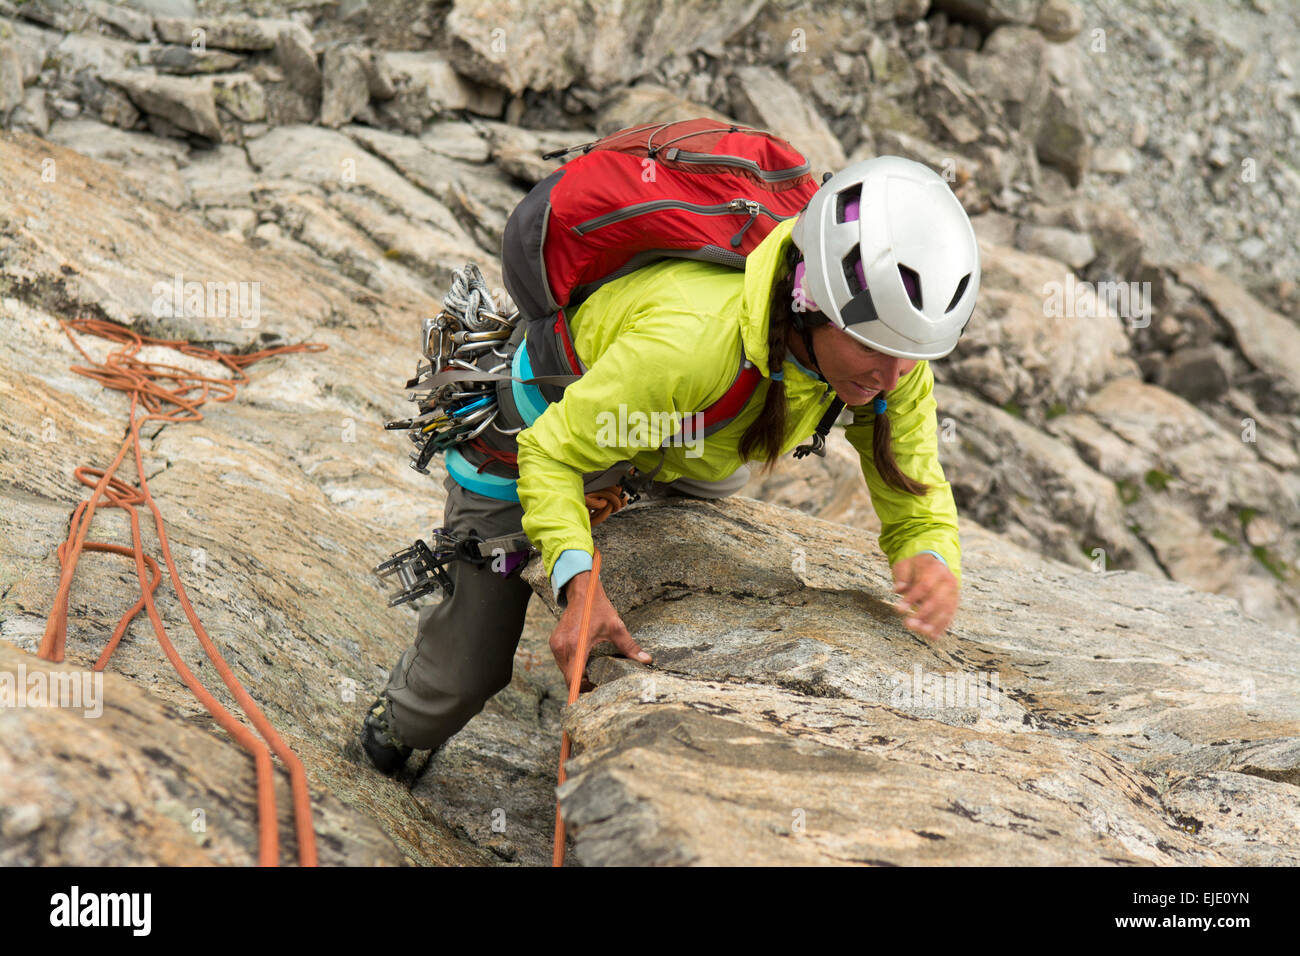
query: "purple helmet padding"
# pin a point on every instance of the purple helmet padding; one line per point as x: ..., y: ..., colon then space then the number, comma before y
x: 802, y: 289
x: 851, y: 215
x: 910, y: 284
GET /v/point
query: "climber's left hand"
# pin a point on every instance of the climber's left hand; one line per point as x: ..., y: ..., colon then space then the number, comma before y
x: 928, y: 594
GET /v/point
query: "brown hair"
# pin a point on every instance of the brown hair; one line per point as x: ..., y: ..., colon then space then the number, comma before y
x: 768, y: 429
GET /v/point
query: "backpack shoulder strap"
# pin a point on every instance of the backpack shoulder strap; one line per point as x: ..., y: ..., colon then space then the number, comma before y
x: 551, y: 355
x: 733, y: 401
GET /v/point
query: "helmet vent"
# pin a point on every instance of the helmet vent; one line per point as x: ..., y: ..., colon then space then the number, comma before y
x: 853, y: 271
x: 846, y: 198
x: 912, y: 283
x: 956, y: 296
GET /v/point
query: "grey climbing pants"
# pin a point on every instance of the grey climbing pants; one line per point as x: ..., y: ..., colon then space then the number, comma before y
x: 465, y: 645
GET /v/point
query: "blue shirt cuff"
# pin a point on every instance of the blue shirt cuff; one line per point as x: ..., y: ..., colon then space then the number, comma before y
x: 570, y: 562
x: 926, y: 551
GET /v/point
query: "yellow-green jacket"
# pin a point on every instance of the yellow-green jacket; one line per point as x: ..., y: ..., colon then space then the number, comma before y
x: 667, y: 339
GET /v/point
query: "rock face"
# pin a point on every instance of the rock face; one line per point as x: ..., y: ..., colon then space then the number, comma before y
x: 790, y: 719
x: 144, y: 785
x: 303, y: 625
x: 1126, y: 399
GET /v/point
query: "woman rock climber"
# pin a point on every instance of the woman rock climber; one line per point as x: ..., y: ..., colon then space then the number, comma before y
x: 852, y: 298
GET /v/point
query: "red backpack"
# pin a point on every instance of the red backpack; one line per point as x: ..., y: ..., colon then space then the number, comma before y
x: 696, y: 189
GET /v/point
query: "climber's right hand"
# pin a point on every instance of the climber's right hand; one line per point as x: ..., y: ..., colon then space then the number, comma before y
x: 606, y: 627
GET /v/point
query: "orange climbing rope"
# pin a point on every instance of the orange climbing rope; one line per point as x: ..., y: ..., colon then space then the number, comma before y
x: 600, y: 504
x: 170, y: 394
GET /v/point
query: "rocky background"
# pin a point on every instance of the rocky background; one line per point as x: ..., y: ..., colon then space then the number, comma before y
x: 1127, y: 479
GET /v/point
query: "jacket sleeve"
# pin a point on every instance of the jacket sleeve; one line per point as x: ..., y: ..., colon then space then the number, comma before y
x: 910, y: 525
x: 647, y: 369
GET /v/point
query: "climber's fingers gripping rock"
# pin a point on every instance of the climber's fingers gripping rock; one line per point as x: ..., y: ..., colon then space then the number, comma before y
x: 606, y: 627
x: 928, y: 594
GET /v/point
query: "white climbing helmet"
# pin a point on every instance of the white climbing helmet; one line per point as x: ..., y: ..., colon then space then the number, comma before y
x: 890, y: 257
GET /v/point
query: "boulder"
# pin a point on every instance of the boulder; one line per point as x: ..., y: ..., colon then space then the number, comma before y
x: 133, y: 23
x: 1113, y: 160
x: 1198, y: 374
x: 33, y: 45
x: 1039, y: 337
x: 11, y: 79
x: 1075, y: 249
x: 346, y: 89
x: 647, y: 103
x: 184, y: 60
x: 1046, y: 497
x: 466, y: 140
x: 1200, y: 457
x: 426, y: 84
x: 186, y: 102
x: 225, y: 33
x: 762, y: 98
x: 1185, y: 549
x: 32, y: 113
x: 240, y: 95
x: 518, y: 152
x: 519, y: 45
x: 1059, y: 20
x: 294, y: 54
x: 80, y: 53
x: 1267, y: 339
x: 1063, y: 139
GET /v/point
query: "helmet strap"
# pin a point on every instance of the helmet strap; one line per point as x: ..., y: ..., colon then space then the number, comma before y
x: 812, y: 352
x: 793, y: 258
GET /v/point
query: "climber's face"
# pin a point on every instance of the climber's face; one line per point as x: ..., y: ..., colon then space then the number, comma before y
x: 856, y: 372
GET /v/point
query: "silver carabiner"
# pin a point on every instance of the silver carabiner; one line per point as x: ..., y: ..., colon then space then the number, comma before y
x: 474, y: 434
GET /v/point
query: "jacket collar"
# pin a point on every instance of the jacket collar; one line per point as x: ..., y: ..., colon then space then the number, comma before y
x: 763, y: 267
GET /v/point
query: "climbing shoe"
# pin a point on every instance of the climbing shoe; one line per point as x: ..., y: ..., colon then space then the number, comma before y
x: 380, y: 741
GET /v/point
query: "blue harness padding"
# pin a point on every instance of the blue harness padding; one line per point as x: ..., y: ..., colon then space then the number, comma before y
x: 528, y: 398
x: 530, y: 404
x: 471, y: 479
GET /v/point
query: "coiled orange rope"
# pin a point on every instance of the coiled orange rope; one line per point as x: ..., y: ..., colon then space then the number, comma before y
x: 179, y: 401
x: 600, y: 504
